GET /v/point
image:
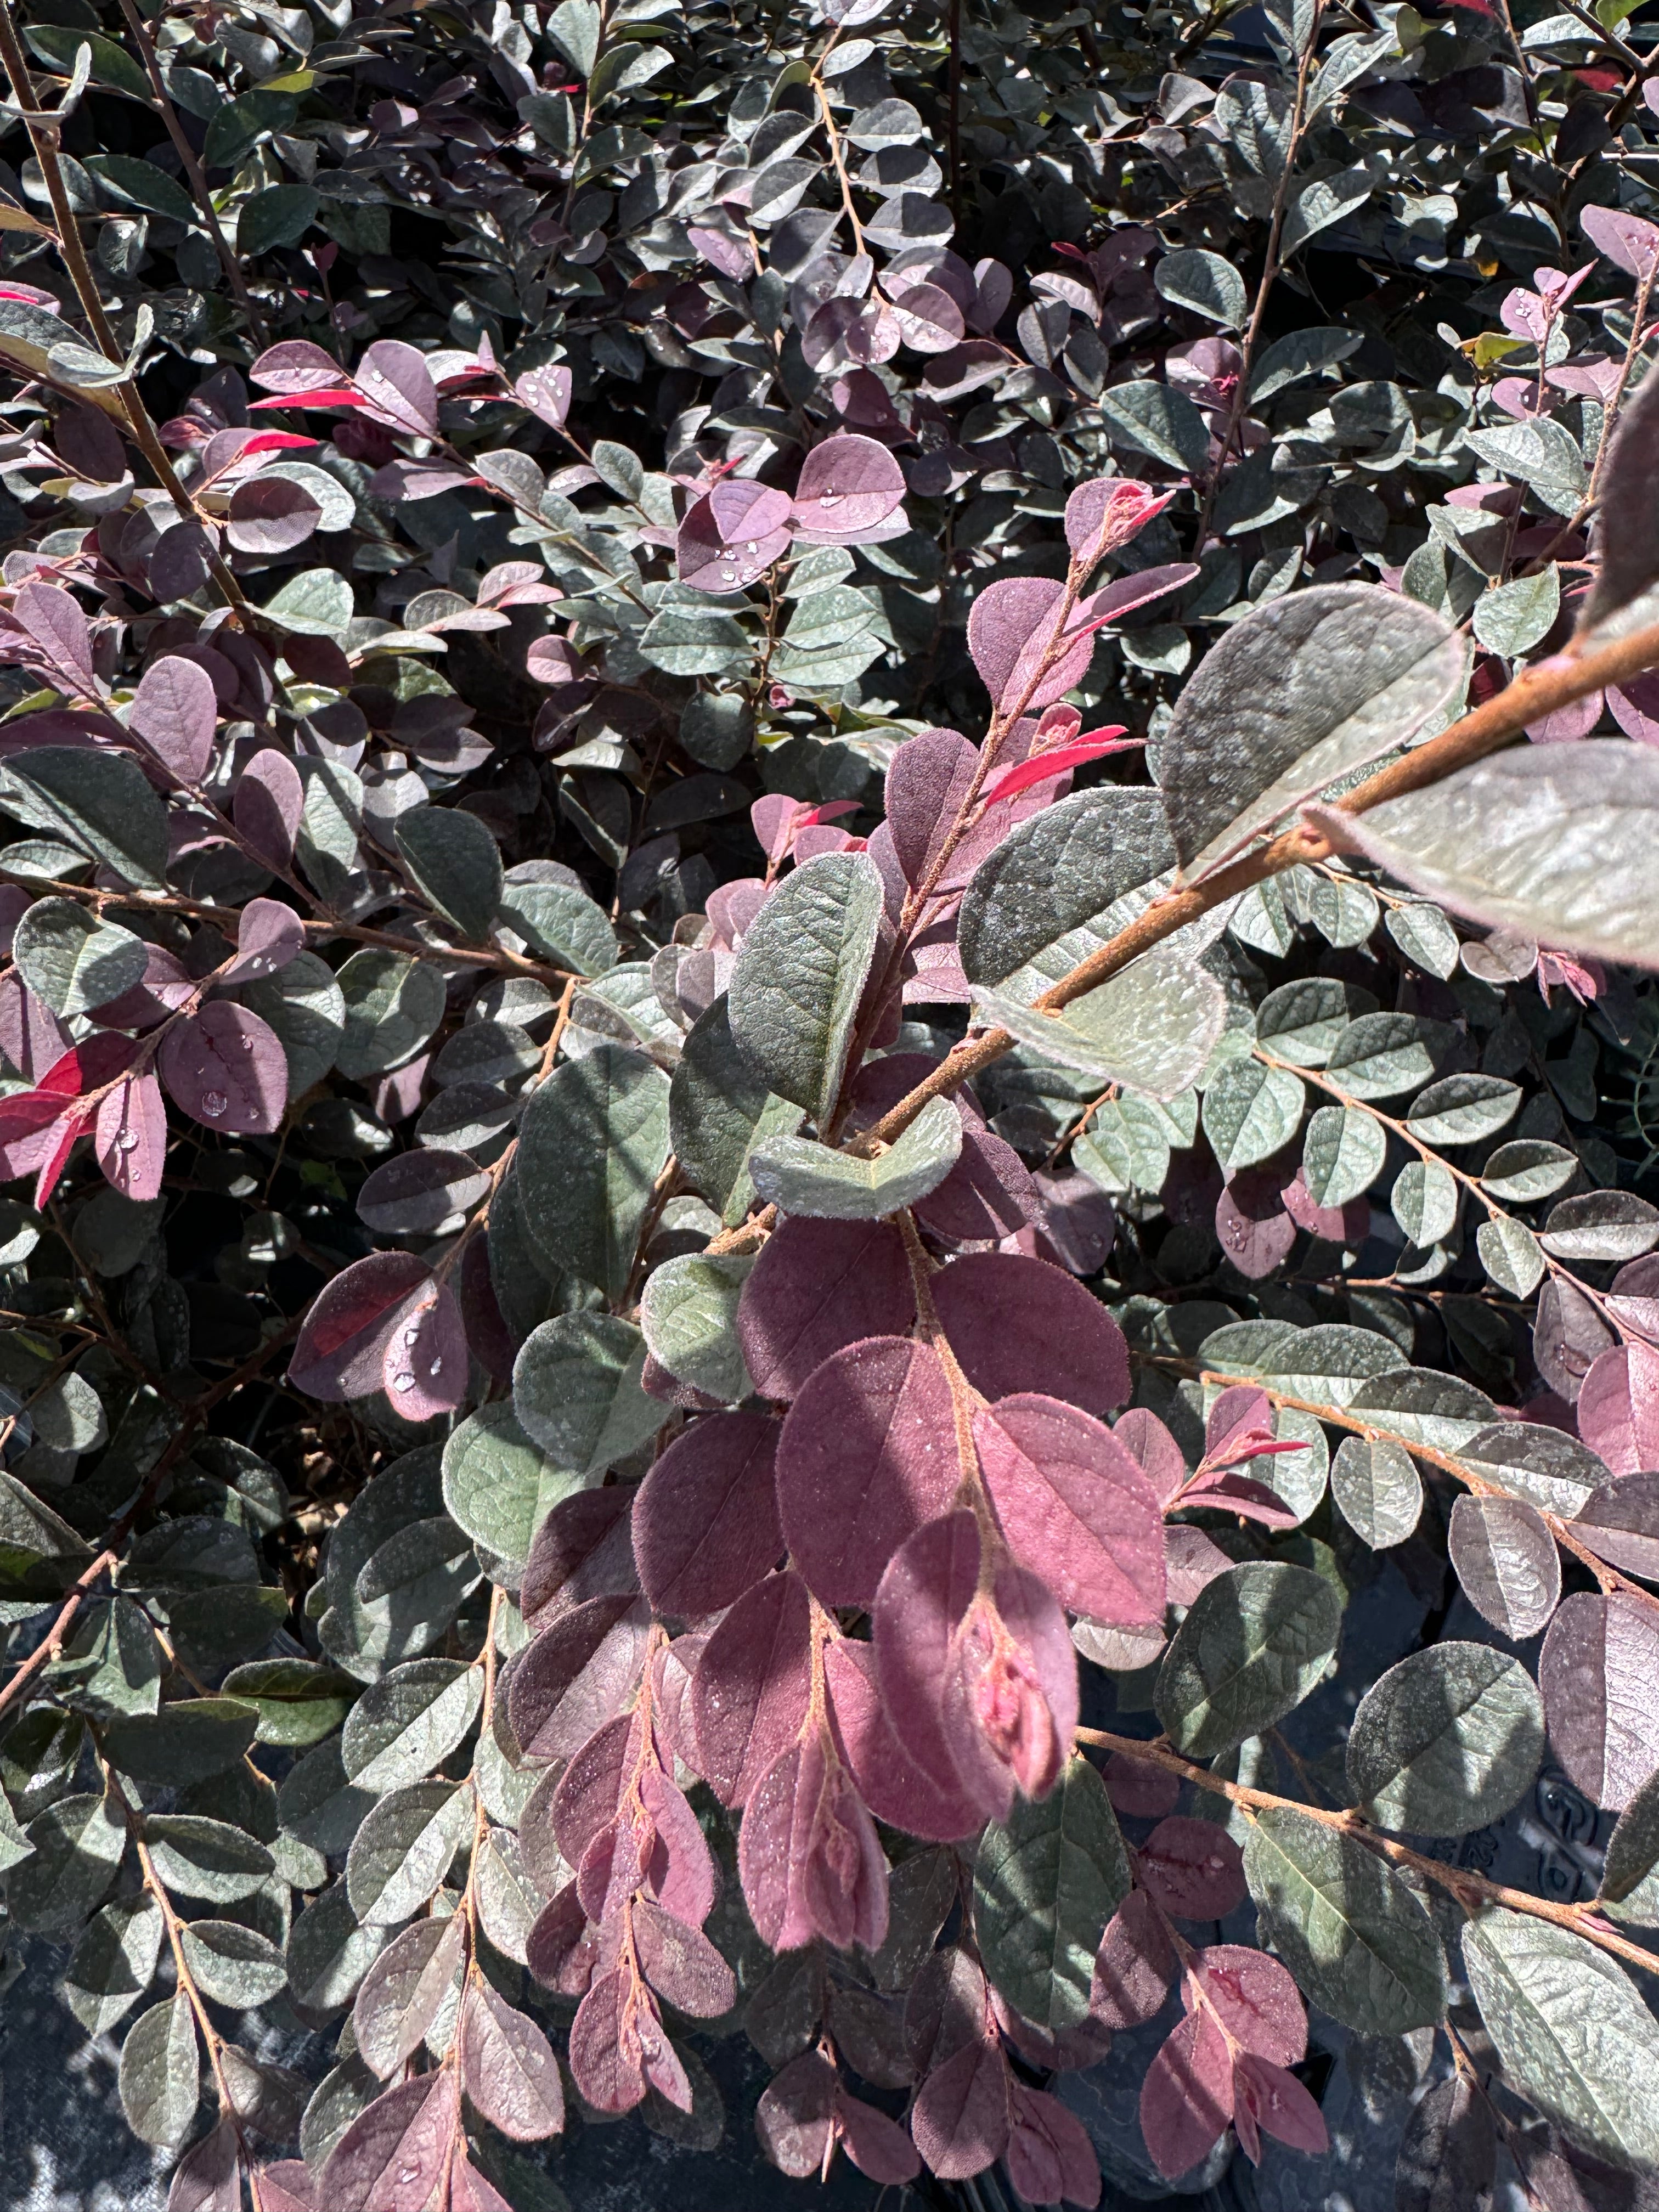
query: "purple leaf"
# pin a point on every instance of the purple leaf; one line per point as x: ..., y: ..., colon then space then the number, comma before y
x: 733, y: 535
x: 340, y: 1354
x: 390, y: 2158
x: 270, y: 514
x: 508, y: 2067
x: 394, y: 380
x: 209, y: 2177
x: 130, y: 1138
x: 816, y: 1287
x: 269, y: 936
x: 928, y: 779
x: 1050, y: 2155
x: 866, y: 1455
x: 878, y: 2147
x: 1154, y: 1450
x: 266, y: 808
x: 1267, y: 2099
x: 424, y: 1369
x: 1021, y: 1325
x: 52, y: 618
x: 286, y: 2186
x: 583, y: 1549
x: 1622, y: 237
x: 750, y: 1693
x: 1619, y: 1406
x: 1255, y: 1999
x: 1010, y: 1705
x: 295, y: 365
x: 226, y: 1069
x: 615, y: 2023
x: 175, y: 712
x: 469, y: 2192
x: 592, y: 1785
x: 1134, y: 1966
x: 929, y: 1586
x: 706, y: 1524
x: 1193, y: 1868
x: 1620, y: 1522
x: 794, y: 2117
x: 576, y: 1675
x: 681, y: 1964
x: 808, y: 1854
x: 1596, y: 1671
x: 546, y: 393
x: 850, y: 487
x: 1106, y: 511
x: 1186, y: 2099
x: 894, y: 1788
x: 1075, y: 1508
x: 960, y: 2120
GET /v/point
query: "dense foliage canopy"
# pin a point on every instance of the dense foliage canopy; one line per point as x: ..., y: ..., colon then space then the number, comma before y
x: 838, y: 823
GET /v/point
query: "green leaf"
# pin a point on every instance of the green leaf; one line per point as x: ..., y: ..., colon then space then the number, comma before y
x: 576, y: 26
x: 1461, y: 1110
x: 800, y: 971
x: 1300, y: 354
x: 1447, y: 1740
x: 401, y: 1727
x: 1527, y: 1169
x: 102, y: 803
x: 1301, y: 692
x: 328, y: 1954
x: 1380, y: 1056
x: 800, y: 1177
x: 317, y: 1805
x: 689, y: 1313
x: 298, y: 1702
x: 1301, y: 1021
x: 1424, y: 934
x: 14, y: 1843
x: 576, y: 1391
x: 404, y: 1849
x: 306, y: 1006
x: 111, y: 65
x: 689, y: 641
x: 1342, y: 1154
x: 114, y: 1961
x: 112, y: 1664
x: 216, y: 1860
x: 593, y: 1139
x: 1575, y: 2037
x: 160, y: 2075
x: 1045, y: 1885
x: 1152, y: 1028
x: 1542, y: 454
x: 1322, y: 203
x: 1206, y: 283
x: 1253, y: 1645
x: 1422, y: 1406
x: 1061, y: 870
x: 1510, y: 618
x: 1424, y: 1201
x: 239, y: 125
x: 77, y: 1846
x: 407, y: 1991
x: 1379, y: 1491
x: 280, y: 216
x: 499, y: 1487
x: 719, y: 1111
x: 1251, y: 1111
x: 183, y: 1742
x: 317, y: 602
x: 1154, y: 418
x: 1358, y: 1940
x: 141, y: 183
x: 1546, y: 1466
x: 1125, y: 1147
x: 1511, y: 1255
x: 233, y: 1965
x: 561, y: 923
x: 393, y: 1003
x: 456, y: 862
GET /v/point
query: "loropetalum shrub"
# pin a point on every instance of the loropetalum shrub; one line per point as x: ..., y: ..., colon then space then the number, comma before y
x: 805, y: 804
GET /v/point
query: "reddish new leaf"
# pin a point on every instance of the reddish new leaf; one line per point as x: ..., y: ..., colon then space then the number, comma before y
x: 706, y: 1521
x: 816, y: 1287
x: 1134, y: 1966
x: 749, y: 1695
x: 562, y: 1948
x: 1075, y: 1508
x: 960, y: 2120
x: 927, y: 1589
x: 808, y: 1854
x: 1186, y: 2099
x: 1050, y: 2158
x: 1193, y: 1868
x: 589, y: 1790
x: 1010, y: 1703
x: 1153, y: 1449
x: 866, y: 1455
x: 424, y: 1369
x: 1059, y: 760
x: 1017, y: 1325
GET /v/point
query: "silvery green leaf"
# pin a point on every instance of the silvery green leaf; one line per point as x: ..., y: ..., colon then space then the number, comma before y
x: 1384, y: 1055
x: 1055, y: 873
x: 1324, y: 202
x: 199, y: 1857
x: 689, y: 1316
x: 403, y: 1849
x: 1527, y: 1169
x: 114, y: 1962
x: 576, y: 25
x: 1550, y: 1469
x: 161, y: 2078
x: 299, y: 1702
x: 1125, y: 1147
x: 71, y: 960
x: 1152, y: 1027
x: 1509, y: 1254
x: 1424, y: 934
x: 1301, y: 1021
x: 800, y: 1176
x: 328, y: 1955
x: 499, y: 1487
x: 102, y: 802
x: 456, y: 862
x: 1343, y: 1154
x: 1256, y: 118
x: 1461, y: 1110
x: 1424, y: 1201
x: 1046, y: 1882
x: 1541, y: 453
x: 1553, y: 842
x: 719, y: 1111
x: 1152, y: 418
x: 560, y: 922
x: 1512, y: 617
x: 716, y: 727
x: 1446, y: 1740
x: 693, y: 642
x: 1261, y: 920
x: 1303, y: 691
x: 1253, y: 1645
x: 576, y: 1390
x: 1507, y: 1562
x: 233, y: 1965
x: 1329, y: 1363
x: 317, y: 1805
x: 1421, y: 1406
x: 1297, y: 354
x: 76, y: 1845
x: 1358, y: 1940
x: 1344, y: 911
x: 1378, y: 1489
x: 326, y: 844
x: 1633, y: 1846
x: 393, y: 1003
x: 401, y: 1726
x: 186, y: 1739
x: 1205, y: 282
x: 800, y: 971
x: 315, y: 603
x: 592, y: 1141
x: 1251, y: 1111
x: 1604, y: 1225
x: 1574, y: 2034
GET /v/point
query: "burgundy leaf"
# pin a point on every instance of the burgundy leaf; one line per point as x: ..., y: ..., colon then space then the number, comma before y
x: 960, y: 2120
x: 130, y: 1137
x: 1050, y: 2155
x: 1133, y: 1967
x: 706, y: 1522
x: 1268, y: 2100
x: 1010, y: 1706
x: 1599, y: 1660
x: 175, y: 712
x: 878, y: 2147
x: 1186, y: 2099
x: 796, y: 2114
x: 681, y: 1964
x: 679, y: 1866
x: 1075, y: 1507
x: 1193, y: 1868
x: 469, y: 2192
x: 608, y: 2037
x: 1018, y: 1325
x: 816, y: 1287
x: 1252, y: 1224
x: 389, y: 2158
x: 927, y: 1589
x: 583, y: 1549
x: 576, y: 1673
x: 424, y: 1369
x: 868, y: 2031
x: 749, y: 1695
x: 295, y: 365
x: 546, y: 393
x: 268, y: 937
x: 266, y: 807
x: 1151, y: 1445
x: 1619, y: 1407
x: 949, y: 2007
x: 393, y: 378
x: 808, y: 1854
x: 227, y: 1069
x: 589, y: 1790
x: 1620, y: 1522
x: 209, y: 2177
x: 733, y: 535
x: 849, y: 488
x: 562, y: 1948
x: 508, y: 2067
x: 286, y: 2186
x: 1256, y: 2000
x: 1105, y: 511
x: 52, y: 618
x: 891, y: 1783
x: 866, y: 1455
x: 34, y: 1039
x: 341, y: 1350
x: 928, y: 779
x: 271, y: 514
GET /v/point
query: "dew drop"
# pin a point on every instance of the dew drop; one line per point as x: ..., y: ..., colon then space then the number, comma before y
x: 127, y: 1141
x: 247, y: 1044
x: 436, y: 1368
x: 409, y: 2174
x: 730, y: 552
x: 1214, y: 1865
x: 753, y: 545
x: 214, y: 1103
x: 401, y: 1382
x: 728, y: 576
x: 412, y: 1336
x: 829, y: 499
